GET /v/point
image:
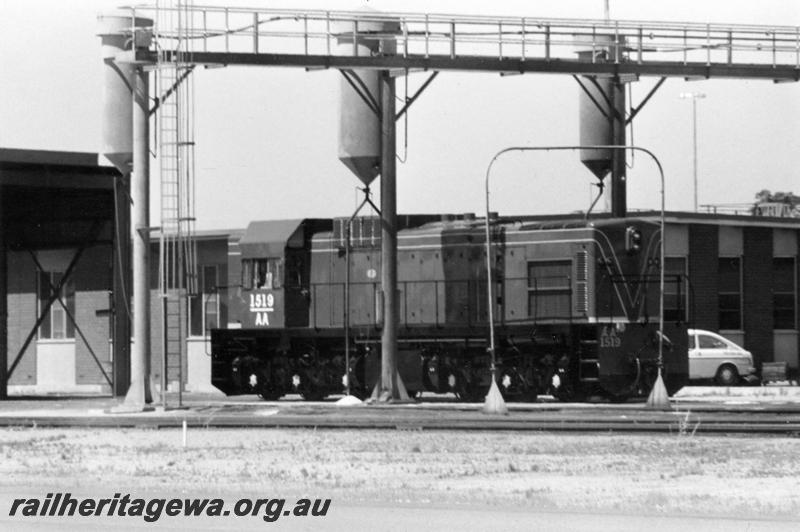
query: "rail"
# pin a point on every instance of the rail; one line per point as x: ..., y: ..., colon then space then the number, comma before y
x: 689, y: 417
x: 314, y: 38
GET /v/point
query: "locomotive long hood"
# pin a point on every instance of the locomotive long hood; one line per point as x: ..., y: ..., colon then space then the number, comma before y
x: 270, y: 239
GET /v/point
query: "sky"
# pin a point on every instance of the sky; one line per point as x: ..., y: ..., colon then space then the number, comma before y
x: 266, y: 138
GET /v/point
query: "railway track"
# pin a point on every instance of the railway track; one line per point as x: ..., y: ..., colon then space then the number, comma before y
x: 681, y: 420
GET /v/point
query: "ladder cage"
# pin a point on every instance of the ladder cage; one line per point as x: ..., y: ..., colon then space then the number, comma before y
x: 177, y: 266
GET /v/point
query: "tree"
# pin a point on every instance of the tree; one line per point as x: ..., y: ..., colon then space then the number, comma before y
x: 765, y: 196
x: 776, y: 204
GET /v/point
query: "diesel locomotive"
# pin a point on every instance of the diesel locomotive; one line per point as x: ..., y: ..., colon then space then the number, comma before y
x: 576, y: 307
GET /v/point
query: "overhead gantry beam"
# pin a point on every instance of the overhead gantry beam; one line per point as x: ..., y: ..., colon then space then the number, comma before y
x: 697, y: 70
x: 422, y: 41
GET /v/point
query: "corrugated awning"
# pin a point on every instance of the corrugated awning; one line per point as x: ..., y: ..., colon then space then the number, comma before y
x: 270, y: 239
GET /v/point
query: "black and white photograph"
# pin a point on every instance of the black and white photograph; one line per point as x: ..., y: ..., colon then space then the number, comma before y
x: 399, y: 265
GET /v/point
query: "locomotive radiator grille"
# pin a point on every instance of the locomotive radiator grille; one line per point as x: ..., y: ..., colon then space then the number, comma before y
x: 581, y: 282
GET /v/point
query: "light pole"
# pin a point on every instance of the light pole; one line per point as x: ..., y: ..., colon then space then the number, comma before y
x: 694, y: 96
x: 658, y: 396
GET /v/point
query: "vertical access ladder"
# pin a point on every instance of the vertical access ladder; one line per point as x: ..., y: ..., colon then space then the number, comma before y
x: 177, y: 271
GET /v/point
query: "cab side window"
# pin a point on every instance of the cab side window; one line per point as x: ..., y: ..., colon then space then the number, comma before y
x: 262, y: 277
x: 262, y: 273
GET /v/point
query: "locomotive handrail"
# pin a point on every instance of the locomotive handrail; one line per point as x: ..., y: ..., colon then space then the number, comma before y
x: 489, y: 245
x: 616, y: 259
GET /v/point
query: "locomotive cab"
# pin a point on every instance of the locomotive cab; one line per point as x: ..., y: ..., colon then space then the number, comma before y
x: 274, y: 274
x: 271, y: 276
x: 262, y: 281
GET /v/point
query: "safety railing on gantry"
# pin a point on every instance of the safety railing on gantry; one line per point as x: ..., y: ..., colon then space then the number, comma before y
x: 224, y: 33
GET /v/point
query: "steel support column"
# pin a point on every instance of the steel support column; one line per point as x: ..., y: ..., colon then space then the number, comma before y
x: 390, y: 387
x: 619, y: 200
x: 120, y: 298
x: 3, y: 302
x: 139, y: 393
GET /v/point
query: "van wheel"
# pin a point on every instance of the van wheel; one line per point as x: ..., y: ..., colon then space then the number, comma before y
x: 727, y: 375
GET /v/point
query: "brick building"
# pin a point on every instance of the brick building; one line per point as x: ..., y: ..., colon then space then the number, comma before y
x: 67, y: 357
x: 63, y: 249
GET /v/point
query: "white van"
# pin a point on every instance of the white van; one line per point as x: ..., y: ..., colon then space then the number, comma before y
x: 712, y: 356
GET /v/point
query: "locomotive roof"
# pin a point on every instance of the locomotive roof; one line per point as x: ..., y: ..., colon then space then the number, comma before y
x: 270, y: 238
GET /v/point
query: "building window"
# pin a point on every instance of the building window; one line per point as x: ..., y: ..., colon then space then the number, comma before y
x: 262, y: 273
x: 204, y: 308
x: 784, y: 292
x: 549, y: 289
x: 56, y: 323
x: 730, y: 293
x: 675, y: 290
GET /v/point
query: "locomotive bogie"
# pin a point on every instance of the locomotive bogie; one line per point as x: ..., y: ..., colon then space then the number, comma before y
x: 265, y: 365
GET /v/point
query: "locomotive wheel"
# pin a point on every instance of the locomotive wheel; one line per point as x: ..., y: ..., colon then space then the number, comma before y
x: 313, y: 395
x: 463, y: 388
x: 528, y: 396
x: 311, y: 385
x: 473, y: 393
x: 310, y: 391
x: 359, y: 393
x: 269, y: 382
x: 617, y: 398
x: 521, y: 390
x: 270, y: 395
x: 567, y: 393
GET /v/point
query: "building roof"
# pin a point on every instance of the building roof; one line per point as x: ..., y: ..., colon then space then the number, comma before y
x: 49, y: 157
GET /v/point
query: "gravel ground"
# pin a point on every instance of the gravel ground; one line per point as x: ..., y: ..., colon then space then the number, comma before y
x: 678, y: 474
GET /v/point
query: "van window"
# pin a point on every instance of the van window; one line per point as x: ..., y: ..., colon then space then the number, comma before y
x: 709, y: 342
